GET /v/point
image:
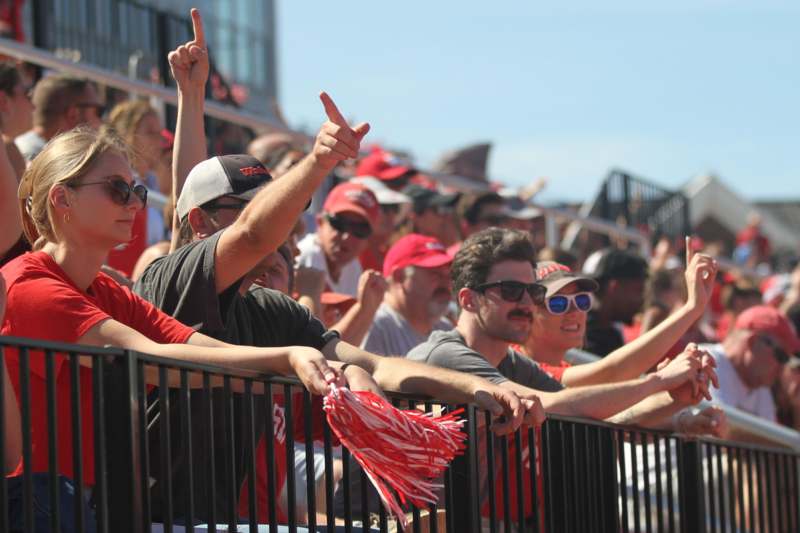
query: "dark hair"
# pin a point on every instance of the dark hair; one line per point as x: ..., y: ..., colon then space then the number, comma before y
x: 484, y: 249
x: 470, y: 205
x: 619, y: 264
x: 9, y: 77
x: 54, y: 95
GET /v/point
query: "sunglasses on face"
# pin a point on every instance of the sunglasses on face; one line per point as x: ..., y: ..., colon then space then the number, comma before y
x: 215, y: 205
x: 513, y: 291
x: 98, y: 108
x: 119, y: 190
x: 360, y: 230
x: 777, y: 352
x: 559, y: 304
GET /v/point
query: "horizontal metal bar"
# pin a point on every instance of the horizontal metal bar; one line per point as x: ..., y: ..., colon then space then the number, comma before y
x: 37, y: 344
x: 47, y: 59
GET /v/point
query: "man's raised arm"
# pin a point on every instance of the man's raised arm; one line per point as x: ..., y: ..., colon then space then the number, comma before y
x: 189, y: 66
x: 269, y: 217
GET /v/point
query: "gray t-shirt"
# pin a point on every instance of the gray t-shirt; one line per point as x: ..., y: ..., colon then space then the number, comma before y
x: 30, y: 144
x: 391, y: 334
x: 447, y: 349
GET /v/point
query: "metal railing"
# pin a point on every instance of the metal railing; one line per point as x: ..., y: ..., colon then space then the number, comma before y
x: 177, y: 446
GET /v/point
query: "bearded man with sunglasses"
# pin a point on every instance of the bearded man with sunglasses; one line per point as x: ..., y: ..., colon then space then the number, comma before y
x: 495, y: 282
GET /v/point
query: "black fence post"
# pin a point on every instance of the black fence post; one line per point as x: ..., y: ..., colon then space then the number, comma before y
x: 465, y: 485
x: 690, y: 481
x: 122, y: 444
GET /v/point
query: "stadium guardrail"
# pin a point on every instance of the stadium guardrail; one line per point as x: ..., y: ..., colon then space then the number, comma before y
x: 570, y: 475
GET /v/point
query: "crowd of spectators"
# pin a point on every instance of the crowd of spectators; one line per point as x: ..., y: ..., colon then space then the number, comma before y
x: 394, y: 283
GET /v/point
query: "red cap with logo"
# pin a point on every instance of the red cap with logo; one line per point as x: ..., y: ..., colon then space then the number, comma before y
x: 353, y: 198
x: 416, y: 250
x: 768, y: 320
x: 383, y: 165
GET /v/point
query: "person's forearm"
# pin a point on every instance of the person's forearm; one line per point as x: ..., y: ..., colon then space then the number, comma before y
x: 190, y: 144
x: 200, y: 350
x: 403, y: 375
x: 270, y: 216
x: 600, y: 401
x: 654, y: 412
x: 637, y: 357
x: 355, y: 323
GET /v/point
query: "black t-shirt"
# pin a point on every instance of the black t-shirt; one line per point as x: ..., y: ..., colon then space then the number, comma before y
x: 601, y: 340
x: 183, y: 285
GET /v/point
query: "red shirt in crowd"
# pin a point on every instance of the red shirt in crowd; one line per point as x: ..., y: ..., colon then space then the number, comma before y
x: 43, y: 303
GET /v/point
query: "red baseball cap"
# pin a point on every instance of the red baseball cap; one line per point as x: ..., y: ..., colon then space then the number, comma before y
x: 351, y: 197
x: 415, y: 250
x: 766, y: 319
x: 383, y: 165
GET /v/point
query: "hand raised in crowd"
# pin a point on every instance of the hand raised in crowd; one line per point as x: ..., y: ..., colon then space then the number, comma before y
x: 336, y: 140
x: 313, y: 370
x: 505, y: 403
x: 189, y: 62
x: 701, y: 273
x: 371, y: 288
x: 309, y: 282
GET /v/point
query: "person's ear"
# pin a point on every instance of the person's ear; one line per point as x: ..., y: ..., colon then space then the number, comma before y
x: 59, y: 197
x: 467, y: 299
x: 201, y: 223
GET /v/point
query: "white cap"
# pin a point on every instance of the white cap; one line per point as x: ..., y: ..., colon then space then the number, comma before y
x: 384, y: 194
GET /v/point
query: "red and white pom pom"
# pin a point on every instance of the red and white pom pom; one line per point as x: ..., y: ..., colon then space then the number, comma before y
x: 400, y: 450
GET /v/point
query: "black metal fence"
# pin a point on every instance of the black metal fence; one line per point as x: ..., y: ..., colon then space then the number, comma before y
x: 640, y: 204
x: 181, y: 447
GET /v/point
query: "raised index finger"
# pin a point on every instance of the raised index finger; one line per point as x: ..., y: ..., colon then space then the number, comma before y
x: 197, y: 26
x: 688, y: 250
x: 332, y: 111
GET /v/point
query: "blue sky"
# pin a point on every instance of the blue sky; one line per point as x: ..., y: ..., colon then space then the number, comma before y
x: 665, y: 91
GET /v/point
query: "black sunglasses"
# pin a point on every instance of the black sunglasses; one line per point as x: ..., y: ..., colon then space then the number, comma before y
x: 513, y: 291
x: 119, y: 190
x: 215, y: 205
x: 360, y: 230
x: 781, y: 356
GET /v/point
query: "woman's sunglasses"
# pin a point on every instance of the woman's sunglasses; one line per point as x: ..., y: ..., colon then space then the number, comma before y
x: 559, y: 304
x: 513, y: 291
x: 360, y: 230
x: 119, y: 190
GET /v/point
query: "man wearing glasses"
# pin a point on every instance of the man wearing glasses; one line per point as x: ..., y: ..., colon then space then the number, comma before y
x: 750, y: 359
x: 61, y: 103
x: 347, y: 219
x: 495, y: 283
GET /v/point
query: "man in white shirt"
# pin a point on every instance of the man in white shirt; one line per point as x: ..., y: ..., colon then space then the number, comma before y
x: 750, y: 359
x: 417, y: 269
x: 348, y: 216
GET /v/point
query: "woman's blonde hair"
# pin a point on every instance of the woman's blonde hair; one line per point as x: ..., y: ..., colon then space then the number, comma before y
x: 125, y: 118
x: 64, y: 160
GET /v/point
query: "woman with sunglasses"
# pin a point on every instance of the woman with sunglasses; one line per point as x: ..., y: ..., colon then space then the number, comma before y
x: 559, y: 324
x: 78, y: 200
